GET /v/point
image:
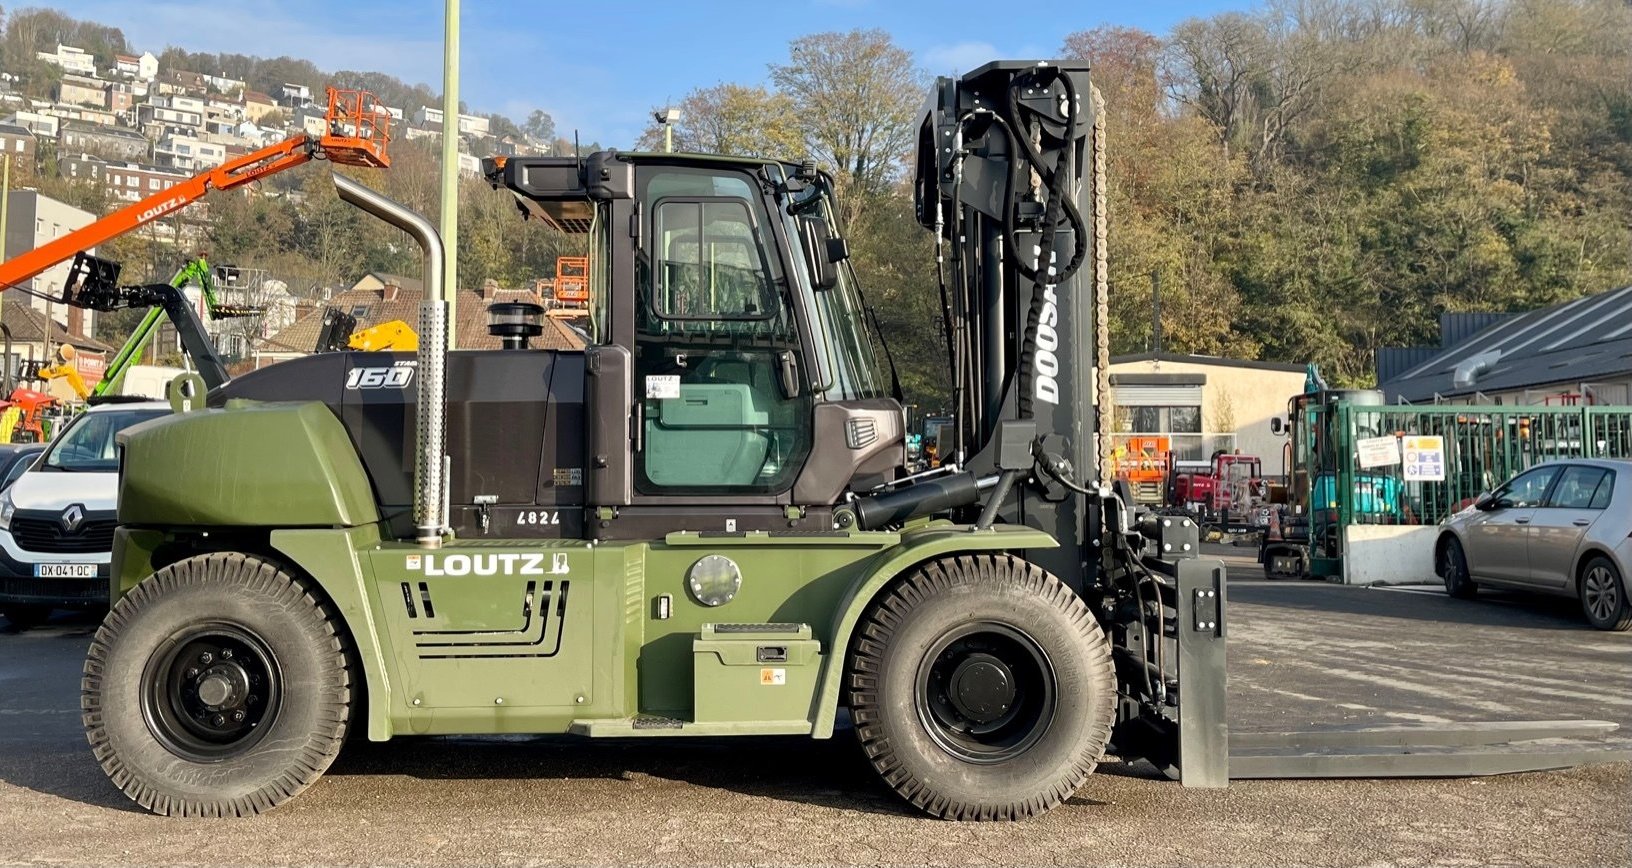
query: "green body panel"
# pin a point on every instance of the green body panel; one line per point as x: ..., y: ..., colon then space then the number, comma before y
x: 566, y: 636
x: 332, y: 558
x: 777, y: 668
x: 289, y: 465
x: 132, y: 559
x: 555, y: 636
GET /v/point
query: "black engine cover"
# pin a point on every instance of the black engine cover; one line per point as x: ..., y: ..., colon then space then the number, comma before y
x: 515, y: 426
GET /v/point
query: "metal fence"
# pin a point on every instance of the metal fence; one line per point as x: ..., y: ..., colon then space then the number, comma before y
x: 1482, y: 447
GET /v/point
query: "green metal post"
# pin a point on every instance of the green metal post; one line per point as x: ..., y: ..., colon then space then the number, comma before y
x: 450, y: 165
x: 130, y: 352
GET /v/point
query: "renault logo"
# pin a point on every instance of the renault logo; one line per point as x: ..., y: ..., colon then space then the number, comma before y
x: 73, y: 517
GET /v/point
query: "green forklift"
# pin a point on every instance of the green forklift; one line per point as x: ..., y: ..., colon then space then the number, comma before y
x: 696, y: 525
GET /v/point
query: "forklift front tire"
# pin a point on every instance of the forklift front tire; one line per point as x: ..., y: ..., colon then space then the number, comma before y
x: 982, y: 688
x: 217, y: 687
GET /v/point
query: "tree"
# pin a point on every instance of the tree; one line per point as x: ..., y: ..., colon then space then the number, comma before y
x: 856, y: 97
x: 539, y: 126
x: 732, y: 119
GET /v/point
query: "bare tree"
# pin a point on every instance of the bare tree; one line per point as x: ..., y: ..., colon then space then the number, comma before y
x: 856, y: 97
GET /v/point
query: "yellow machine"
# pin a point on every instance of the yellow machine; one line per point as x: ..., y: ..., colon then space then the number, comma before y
x: 62, y: 368
x: 394, y: 335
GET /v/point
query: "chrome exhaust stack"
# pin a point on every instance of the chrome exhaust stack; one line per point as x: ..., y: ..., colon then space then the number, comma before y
x: 431, y: 470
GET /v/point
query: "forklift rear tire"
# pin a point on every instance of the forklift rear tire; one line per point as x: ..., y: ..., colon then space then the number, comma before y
x: 217, y: 687
x: 1454, y: 568
x: 982, y: 688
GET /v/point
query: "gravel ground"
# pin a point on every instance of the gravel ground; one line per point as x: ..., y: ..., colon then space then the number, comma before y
x: 1301, y: 654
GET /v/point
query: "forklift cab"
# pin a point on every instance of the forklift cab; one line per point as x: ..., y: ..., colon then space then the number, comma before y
x: 731, y: 385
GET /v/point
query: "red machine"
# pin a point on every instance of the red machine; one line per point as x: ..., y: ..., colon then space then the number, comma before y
x: 1227, y: 494
x: 29, y: 415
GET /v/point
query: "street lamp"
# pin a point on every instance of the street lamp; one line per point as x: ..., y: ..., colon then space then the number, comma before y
x: 668, y: 117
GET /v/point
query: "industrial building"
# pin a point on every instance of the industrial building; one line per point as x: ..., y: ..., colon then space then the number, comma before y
x: 1578, y: 352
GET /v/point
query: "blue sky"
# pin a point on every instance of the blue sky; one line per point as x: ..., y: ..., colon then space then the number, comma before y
x: 600, y: 68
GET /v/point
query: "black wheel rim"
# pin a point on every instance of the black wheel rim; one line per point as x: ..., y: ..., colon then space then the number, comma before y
x: 1453, y: 565
x: 211, y: 692
x: 985, y: 692
x: 1601, y: 593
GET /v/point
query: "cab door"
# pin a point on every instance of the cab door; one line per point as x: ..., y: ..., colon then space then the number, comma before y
x: 723, y: 404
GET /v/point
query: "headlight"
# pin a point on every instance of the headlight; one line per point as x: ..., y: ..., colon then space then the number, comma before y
x: 6, y: 509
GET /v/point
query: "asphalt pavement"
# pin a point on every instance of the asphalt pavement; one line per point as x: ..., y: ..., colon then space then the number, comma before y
x: 1301, y: 654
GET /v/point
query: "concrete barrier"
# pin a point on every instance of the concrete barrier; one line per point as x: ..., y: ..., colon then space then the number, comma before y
x: 1389, y: 554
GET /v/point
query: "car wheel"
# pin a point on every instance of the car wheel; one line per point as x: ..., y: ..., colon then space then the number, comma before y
x: 1453, y: 566
x: 26, y: 617
x: 1603, y: 596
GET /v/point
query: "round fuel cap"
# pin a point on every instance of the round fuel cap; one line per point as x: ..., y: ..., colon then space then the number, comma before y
x: 714, y: 580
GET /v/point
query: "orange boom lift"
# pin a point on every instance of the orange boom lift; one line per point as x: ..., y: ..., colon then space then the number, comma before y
x: 358, y: 132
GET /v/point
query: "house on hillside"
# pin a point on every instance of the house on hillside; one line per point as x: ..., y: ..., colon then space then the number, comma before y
x: 296, y: 95
x: 72, y: 60
x: 78, y: 90
x: 182, y: 82
x: 378, y: 298
x: 78, y: 137
x: 19, y: 142
x: 258, y: 105
x: 144, y: 67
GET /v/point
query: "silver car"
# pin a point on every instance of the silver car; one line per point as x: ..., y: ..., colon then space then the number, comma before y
x: 1562, y: 528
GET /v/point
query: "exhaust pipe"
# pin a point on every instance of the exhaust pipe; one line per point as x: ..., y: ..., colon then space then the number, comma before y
x: 430, y: 453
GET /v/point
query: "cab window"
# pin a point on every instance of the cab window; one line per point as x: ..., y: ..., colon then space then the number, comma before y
x: 725, y: 403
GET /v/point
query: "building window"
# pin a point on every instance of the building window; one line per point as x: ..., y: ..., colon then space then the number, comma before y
x: 132, y: 181
x: 19, y: 146
x: 152, y: 183
x: 1159, y: 420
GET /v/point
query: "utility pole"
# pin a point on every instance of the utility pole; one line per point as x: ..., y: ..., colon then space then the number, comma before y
x: 5, y: 209
x: 450, y: 165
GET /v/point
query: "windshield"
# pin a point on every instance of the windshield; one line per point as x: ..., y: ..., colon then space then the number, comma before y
x: 88, y: 445
x: 851, y: 358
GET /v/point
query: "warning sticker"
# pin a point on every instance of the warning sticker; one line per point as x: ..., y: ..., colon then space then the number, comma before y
x: 1424, y: 459
x: 1378, y: 451
x: 661, y: 386
x: 773, y: 677
x: 565, y: 476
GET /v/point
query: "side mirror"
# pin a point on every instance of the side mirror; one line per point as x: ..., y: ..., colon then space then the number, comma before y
x: 1489, y: 502
x: 1277, y: 426
x: 820, y: 246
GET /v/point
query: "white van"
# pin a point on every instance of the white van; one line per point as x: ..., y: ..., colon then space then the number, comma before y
x: 148, y: 381
x: 57, y: 519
